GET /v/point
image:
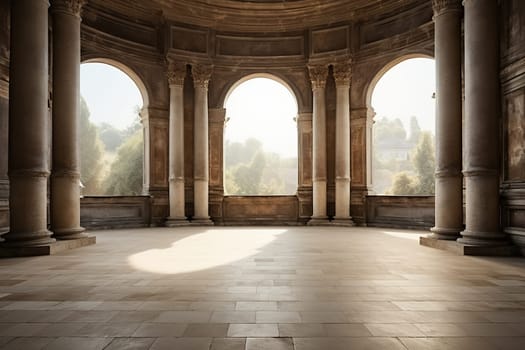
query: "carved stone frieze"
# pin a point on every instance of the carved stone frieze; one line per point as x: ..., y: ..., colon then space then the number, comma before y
x: 176, y: 73
x: 342, y: 73
x: 318, y: 75
x: 441, y: 6
x: 201, y: 75
x: 72, y: 7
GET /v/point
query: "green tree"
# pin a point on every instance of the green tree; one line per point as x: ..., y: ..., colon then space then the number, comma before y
x: 126, y: 174
x: 424, y: 164
x: 247, y: 178
x: 91, y: 152
x: 404, y: 184
x: 110, y: 136
x: 389, y: 130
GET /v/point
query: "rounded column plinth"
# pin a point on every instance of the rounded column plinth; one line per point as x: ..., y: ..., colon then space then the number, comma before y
x: 28, y: 219
x: 176, y: 221
x: 448, y: 207
x: 482, y: 211
x: 65, y: 206
x: 443, y: 233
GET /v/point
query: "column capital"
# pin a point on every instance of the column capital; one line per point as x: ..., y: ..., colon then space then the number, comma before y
x: 71, y: 7
x: 342, y: 73
x: 176, y: 73
x: 318, y: 75
x: 442, y: 6
x: 201, y: 75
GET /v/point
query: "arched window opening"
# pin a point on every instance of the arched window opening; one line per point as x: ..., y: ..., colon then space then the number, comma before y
x: 260, y: 139
x: 404, y: 129
x: 110, y: 132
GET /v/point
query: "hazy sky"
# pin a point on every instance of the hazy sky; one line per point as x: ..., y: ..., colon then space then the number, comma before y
x: 263, y: 108
x: 110, y: 94
x: 406, y: 90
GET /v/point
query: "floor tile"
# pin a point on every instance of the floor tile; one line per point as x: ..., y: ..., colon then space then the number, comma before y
x: 182, y: 343
x: 253, y: 330
x: 160, y: 330
x: 212, y: 330
x: 130, y: 344
x: 68, y: 343
x: 269, y: 344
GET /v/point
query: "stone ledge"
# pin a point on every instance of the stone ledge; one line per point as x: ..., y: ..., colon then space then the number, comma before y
x: 50, y: 249
x: 461, y: 249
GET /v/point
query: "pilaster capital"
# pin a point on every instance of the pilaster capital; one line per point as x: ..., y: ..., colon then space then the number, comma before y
x: 318, y: 75
x: 442, y: 6
x: 71, y: 7
x: 201, y: 75
x: 176, y: 73
x: 342, y: 73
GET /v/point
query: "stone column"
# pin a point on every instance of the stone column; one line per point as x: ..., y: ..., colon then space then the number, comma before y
x: 342, y: 77
x: 318, y: 75
x: 28, y: 125
x: 176, y: 75
x: 449, y: 181
x: 201, y: 77
x: 65, y: 176
x: 482, y: 112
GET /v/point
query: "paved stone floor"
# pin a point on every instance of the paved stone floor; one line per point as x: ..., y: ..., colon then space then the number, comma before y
x: 261, y: 288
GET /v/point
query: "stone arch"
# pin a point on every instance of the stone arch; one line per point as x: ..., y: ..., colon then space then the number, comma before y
x: 385, y: 68
x: 281, y: 80
x: 370, y: 87
x: 231, y: 87
x: 143, y: 113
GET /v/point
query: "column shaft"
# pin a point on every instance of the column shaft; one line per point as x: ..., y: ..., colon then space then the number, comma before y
x: 65, y: 176
x: 342, y: 75
x: 28, y: 124
x: 176, y: 74
x: 482, y: 110
x: 449, y: 181
x: 201, y: 76
x: 318, y: 76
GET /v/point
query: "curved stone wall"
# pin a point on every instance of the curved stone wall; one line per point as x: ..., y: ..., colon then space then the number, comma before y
x: 371, y: 41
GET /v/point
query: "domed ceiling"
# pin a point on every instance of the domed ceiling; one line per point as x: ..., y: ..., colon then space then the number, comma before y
x: 263, y: 16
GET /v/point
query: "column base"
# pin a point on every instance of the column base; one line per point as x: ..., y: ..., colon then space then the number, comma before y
x: 27, y: 239
x: 69, y: 233
x: 343, y: 222
x: 470, y: 250
x: 176, y: 222
x: 319, y: 221
x: 46, y: 249
x: 202, y: 222
x: 483, y: 239
x: 450, y: 234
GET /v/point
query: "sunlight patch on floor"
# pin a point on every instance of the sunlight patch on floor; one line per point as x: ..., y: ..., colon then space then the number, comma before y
x: 405, y: 235
x: 204, y: 250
